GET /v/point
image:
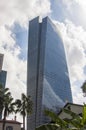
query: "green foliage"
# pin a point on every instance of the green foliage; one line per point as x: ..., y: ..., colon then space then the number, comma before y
x: 61, y: 123
x: 84, y: 115
x: 6, y: 103
x: 76, y: 122
x: 48, y: 127
x: 83, y: 87
x: 24, y: 107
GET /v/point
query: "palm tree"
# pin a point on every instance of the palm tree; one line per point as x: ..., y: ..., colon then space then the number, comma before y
x: 24, y: 106
x: 6, y: 103
x: 83, y: 87
x: 1, y: 100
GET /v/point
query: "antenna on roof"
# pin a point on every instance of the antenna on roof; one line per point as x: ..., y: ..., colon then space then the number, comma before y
x: 40, y: 19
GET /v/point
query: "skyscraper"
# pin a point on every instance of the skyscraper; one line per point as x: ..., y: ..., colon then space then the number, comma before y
x: 1, y: 61
x: 48, y: 79
x: 2, y: 72
x: 2, y: 75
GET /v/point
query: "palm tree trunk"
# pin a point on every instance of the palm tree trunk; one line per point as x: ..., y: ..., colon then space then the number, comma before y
x: 23, y: 122
x: 4, y: 119
x: 3, y: 127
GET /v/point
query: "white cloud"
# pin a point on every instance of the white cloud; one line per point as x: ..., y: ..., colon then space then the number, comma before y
x: 11, y: 12
x: 17, y: 11
x: 70, y: 3
x: 20, y: 11
x: 78, y: 95
x: 74, y: 10
x: 5, y: 37
x: 82, y: 3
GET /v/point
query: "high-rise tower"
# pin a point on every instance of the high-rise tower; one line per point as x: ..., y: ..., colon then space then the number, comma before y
x: 48, y: 79
x: 1, y: 61
x: 2, y: 75
x: 2, y: 72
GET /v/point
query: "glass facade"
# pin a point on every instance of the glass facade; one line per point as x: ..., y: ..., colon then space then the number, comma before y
x: 48, y: 80
x: 2, y: 76
x: 1, y: 61
x: 2, y: 73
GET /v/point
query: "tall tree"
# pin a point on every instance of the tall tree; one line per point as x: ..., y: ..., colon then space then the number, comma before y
x: 1, y: 100
x: 6, y: 103
x: 24, y: 106
x: 83, y: 87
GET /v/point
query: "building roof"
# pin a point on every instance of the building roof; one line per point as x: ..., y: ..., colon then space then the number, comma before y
x: 76, y: 108
x: 11, y: 121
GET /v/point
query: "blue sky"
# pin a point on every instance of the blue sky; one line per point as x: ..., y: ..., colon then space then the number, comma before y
x: 21, y: 37
x: 59, y: 12
x: 69, y: 17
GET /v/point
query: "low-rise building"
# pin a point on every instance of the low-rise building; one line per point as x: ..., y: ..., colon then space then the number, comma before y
x: 10, y: 125
x: 76, y: 108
